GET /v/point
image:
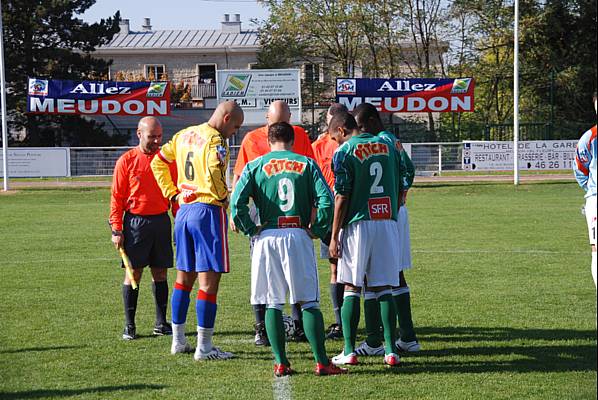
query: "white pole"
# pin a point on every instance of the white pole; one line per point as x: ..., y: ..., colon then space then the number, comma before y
x: 516, y: 97
x: 3, y: 111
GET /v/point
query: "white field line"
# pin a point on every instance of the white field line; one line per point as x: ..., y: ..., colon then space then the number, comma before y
x: 451, y: 251
x: 281, y: 388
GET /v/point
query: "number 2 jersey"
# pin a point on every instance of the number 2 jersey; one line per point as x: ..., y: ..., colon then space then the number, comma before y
x: 284, y: 186
x: 201, y: 155
x: 366, y: 169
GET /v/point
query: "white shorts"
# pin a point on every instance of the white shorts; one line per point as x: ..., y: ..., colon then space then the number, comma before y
x: 284, y: 262
x: 324, y: 251
x: 369, y: 250
x: 404, y: 239
x: 590, y: 211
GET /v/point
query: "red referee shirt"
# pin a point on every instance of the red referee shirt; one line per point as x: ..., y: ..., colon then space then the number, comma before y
x: 134, y: 187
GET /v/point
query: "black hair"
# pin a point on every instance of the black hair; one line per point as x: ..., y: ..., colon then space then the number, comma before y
x: 337, y: 108
x: 343, y: 120
x: 281, y: 132
x: 367, y: 115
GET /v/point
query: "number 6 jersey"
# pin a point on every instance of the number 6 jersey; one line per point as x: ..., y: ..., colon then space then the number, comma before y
x: 201, y: 155
x: 284, y: 186
x: 366, y: 169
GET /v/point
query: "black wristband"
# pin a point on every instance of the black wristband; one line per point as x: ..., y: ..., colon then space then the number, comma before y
x: 117, y: 233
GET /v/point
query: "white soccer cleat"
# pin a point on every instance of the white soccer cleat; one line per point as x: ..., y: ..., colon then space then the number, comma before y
x: 365, y: 349
x: 342, y: 359
x: 178, y: 347
x: 410, y: 347
x: 214, y: 354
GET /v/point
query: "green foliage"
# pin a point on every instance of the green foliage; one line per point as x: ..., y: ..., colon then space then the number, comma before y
x: 47, y: 39
x: 502, y: 301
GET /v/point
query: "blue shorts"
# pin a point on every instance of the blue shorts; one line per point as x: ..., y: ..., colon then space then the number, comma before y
x: 201, y: 238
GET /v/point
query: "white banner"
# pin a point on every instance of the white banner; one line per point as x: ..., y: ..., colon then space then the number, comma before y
x: 37, y: 162
x: 254, y: 90
x: 533, y: 155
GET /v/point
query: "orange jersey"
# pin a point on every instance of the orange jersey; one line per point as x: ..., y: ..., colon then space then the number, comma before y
x: 324, y: 149
x: 134, y: 188
x: 255, y: 144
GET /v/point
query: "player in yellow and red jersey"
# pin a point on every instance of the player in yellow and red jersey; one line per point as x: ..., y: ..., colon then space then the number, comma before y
x: 201, y: 155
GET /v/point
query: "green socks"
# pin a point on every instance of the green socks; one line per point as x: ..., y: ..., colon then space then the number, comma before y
x: 371, y: 309
x: 313, y: 326
x: 350, y: 317
x: 403, y: 306
x: 389, y: 321
x: 276, y: 335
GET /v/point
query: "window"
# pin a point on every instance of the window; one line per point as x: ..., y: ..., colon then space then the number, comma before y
x: 313, y: 72
x: 154, y: 72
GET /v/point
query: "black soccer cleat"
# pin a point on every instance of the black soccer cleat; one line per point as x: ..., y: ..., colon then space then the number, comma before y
x: 261, y: 338
x: 129, y: 333
x: 335, y: 332
x: 164, y: 329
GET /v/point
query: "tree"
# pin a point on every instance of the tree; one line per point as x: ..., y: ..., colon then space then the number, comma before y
x: 44, y: 38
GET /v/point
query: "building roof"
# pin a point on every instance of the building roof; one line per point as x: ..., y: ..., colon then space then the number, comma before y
x: 182, y: 39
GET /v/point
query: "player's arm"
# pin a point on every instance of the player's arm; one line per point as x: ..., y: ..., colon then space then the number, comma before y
x: 583, y: 157
x: 323, y: 203
x: 217, y: 161
x: 343, y: 185
x: 118, y: 200
x: 161, y: 168
x: 240, y: 204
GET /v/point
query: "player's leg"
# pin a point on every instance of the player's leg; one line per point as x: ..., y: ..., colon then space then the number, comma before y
x: 160, y: 261
x: 276, y: 336
x: 130, y: 297
x: 137, y: 244
x: 298, y: 331
x: 179, y: 307
x: 382, y: 274
x: 210, y: 232
x: 259, y: 310
x: 590, y: 211
x: 185, y: 278
x: 337, y: 291
x: 351, y: 271
x: 160, y: 291
x: 407, y: 340
x: 372, y: 345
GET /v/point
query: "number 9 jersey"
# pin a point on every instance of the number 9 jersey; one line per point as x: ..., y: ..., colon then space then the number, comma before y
x: 285, y: 186
x: 201, y: 155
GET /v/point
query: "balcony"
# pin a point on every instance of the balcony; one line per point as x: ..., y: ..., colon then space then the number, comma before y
x: 203, y: 90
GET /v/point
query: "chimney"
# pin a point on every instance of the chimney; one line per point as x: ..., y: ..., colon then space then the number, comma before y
x: 123, y: 24
x: 147, y: 27
x: 229, y: 26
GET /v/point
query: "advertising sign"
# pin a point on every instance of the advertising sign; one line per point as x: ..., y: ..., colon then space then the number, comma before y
x: 33, y: 162
x: 98, y: 97
x: 407, y: 94
x: 254, y: 90
x: 533, y: 155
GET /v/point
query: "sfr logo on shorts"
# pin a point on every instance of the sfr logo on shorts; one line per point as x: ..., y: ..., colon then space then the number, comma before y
x: 289, y: 222
x: 380, y: 208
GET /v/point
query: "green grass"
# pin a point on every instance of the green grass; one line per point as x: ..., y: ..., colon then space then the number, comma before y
x: 502, y: 296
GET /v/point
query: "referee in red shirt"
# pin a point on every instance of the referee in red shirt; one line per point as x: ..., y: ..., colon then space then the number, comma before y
x: 140, y: 223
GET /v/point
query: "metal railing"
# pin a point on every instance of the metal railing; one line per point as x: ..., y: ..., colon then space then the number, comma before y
x: 203, y: 90
x: 429, y: 158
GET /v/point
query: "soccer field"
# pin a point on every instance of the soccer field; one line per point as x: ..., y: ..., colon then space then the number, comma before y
x: 502, y: 299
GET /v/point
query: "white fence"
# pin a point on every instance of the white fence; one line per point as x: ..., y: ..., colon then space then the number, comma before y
x: 428, y: 158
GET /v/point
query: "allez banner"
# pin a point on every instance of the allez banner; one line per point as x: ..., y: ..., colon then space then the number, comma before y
x: 98, y: 97
x: 407, y: 94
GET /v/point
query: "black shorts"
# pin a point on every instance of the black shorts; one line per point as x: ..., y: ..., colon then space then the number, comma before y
x: 148, y: 240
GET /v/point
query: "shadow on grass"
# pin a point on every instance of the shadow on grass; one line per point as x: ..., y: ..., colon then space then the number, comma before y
x: 498, y: 349
x: 35, y: 349
x: 35, y: 394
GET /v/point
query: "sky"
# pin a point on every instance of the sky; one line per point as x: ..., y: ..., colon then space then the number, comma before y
x: 177, y: 14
